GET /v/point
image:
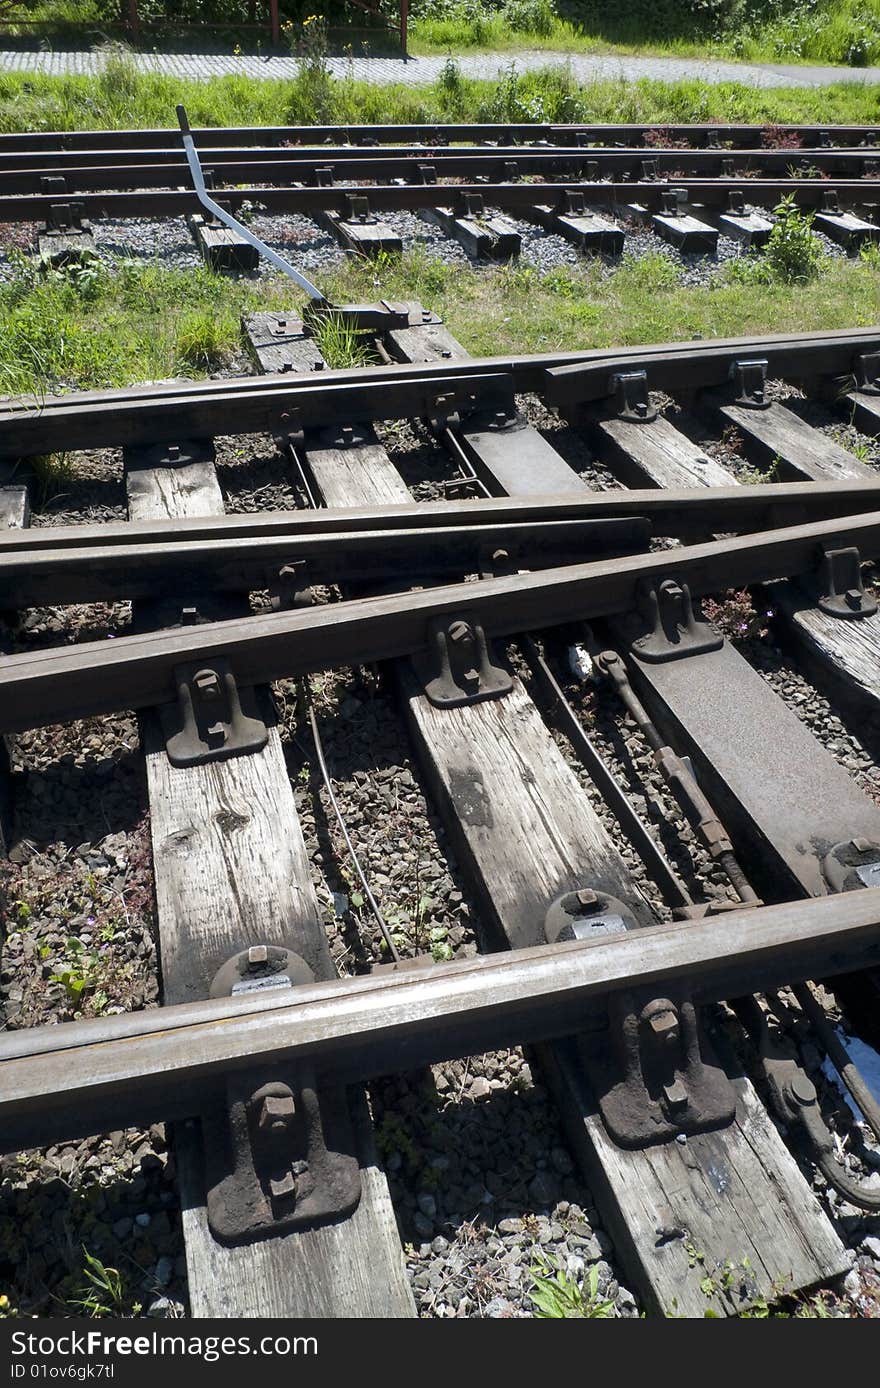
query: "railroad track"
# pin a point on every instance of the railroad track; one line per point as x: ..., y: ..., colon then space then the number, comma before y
x: 694, y: 135
x: 608, y: 931
x: 586, y: 184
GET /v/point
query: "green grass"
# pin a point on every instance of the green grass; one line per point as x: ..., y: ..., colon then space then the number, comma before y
x: 121, y: 97
x: 517, y: 309
x: 60, y: 18
x: 340, y: 344
x: 145, y: 322
x: 769, y: 31
x: 70, y: 329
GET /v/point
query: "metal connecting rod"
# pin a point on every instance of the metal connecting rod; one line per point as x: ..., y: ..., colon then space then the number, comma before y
x: 679, y: 776
x: 227, y: 218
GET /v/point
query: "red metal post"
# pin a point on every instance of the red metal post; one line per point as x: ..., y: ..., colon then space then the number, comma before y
x: 404, y: 24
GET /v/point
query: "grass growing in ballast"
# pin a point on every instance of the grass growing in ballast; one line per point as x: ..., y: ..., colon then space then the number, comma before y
x: 516, y: 308
x: 100, y: 326
x: 94, y: 326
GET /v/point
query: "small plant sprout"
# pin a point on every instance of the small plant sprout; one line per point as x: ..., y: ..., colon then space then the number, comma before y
x: 558, y: 1296
x: 52, y: 473
x: 341, y: 345
x: 103, y: 1292
x: 736, y: 616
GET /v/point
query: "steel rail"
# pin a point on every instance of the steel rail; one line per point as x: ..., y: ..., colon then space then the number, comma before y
x: 708, y: 192
x: 263, y: 166
x: 71, y: 1080
x: 208, y: 137
x: 131, y: 672
x: 683, y: 514
x: 235, y: 564
x: 48, y: 161
x: 285, y: 403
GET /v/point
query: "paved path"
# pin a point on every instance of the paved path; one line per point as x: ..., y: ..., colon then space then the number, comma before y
x: 585, y: 67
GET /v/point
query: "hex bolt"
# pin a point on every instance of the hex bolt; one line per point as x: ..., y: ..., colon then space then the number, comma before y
x: 257, y: 955
x: 853, y: 599
x: 276, y: 1114
x: 675, y: 1094
x: 281, y: 1187
x: 206, y: 685
x: 670, y: 588
x: 586, y: 897
x: 663, y: 1024
x: 661, y: 1016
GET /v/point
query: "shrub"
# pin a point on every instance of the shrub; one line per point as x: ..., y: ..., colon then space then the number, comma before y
x: 793, y: 254
x: 529, y: 16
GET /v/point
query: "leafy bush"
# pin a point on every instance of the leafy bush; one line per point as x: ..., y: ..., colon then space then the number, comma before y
x: 312, y: 91
x: 551, y: 95
x: 465, y: 22
x: 793, y: 254
x: 529, y: 16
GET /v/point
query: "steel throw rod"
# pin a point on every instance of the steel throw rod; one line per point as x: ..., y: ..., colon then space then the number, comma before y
x: 227, y: 218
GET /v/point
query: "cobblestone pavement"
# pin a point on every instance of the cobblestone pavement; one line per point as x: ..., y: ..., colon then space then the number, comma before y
x: 415, y: 71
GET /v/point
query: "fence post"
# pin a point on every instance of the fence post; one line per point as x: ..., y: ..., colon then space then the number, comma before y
x: 404, y: 25
x: 132, y: 21
x: 276, y: 25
